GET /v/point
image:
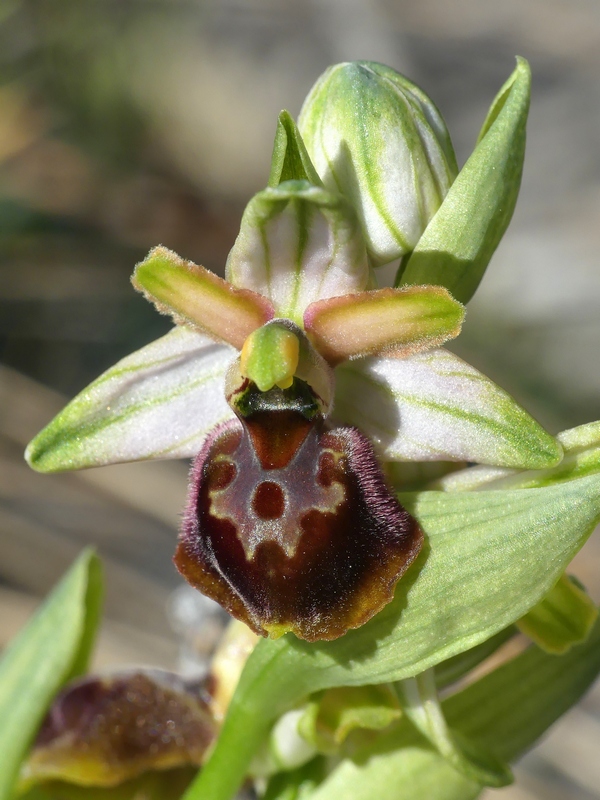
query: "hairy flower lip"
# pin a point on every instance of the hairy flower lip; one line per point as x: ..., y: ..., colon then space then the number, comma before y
x: 319, y: 580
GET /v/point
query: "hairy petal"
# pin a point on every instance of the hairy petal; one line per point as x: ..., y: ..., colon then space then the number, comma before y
x: 198, y: 298
x: 434, y: 406
x: 159, y: 402
x: 396, y: 321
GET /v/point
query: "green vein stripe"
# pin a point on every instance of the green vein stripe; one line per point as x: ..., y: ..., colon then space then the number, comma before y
x: 515, y: 428
x: 65, y: 436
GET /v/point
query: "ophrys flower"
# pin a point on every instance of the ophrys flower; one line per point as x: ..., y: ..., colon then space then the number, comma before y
x: 290, y: 523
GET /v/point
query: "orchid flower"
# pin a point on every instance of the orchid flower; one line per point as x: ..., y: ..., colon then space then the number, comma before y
x: 104, y: 730
x: 307, y: 392
x: 296, y: 379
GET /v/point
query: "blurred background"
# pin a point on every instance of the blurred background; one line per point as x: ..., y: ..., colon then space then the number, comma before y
x: 128, y: 123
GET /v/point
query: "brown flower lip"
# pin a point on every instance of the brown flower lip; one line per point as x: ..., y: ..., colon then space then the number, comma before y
x: 103, y: 730
x: 289, y: 524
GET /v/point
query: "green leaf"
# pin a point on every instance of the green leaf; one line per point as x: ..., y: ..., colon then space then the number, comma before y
x: 54, y: 647
x: 421, y: 705
x: 524, y: 697
x: 563, y: 618
x: 290, y: 160
x: 401, y: 768
x: 459, y: 242
x: 489, y: 557
x: 455, y: 668
x: 505, y: 712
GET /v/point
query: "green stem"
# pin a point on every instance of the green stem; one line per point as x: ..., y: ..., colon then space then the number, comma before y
x: 268, y: 687
x: 422, y: 706
x: 225, y: 770
x: 420, y: 702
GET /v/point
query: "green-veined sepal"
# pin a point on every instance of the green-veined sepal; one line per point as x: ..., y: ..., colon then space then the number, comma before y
x: 298, y: 243
x: 159, y: 402
x: 434, y: 406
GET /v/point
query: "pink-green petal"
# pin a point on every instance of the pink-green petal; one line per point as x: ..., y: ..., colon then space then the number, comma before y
x: 393, y: 321
x: 195, y: 297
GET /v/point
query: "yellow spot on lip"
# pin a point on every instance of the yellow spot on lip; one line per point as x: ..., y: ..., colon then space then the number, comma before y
x: 276, y: 629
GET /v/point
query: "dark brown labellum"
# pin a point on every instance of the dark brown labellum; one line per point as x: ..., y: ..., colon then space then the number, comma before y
x: 101, y: 731
x: 289, y: 525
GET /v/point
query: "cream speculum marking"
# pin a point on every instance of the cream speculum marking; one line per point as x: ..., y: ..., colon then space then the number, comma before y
x: 289, y: 523
x: 276, y: 499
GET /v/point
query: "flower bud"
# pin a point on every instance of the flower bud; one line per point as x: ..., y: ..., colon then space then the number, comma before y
x: 378, y: 139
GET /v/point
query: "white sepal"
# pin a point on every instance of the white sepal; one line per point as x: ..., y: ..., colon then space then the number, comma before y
x: 298, y: 243
x: 159, y: 402
x: 433, y: 406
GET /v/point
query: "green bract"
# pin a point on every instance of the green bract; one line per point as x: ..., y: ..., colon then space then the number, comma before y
x: 379, y: 140
x: 490, y: 557
x: 458, y: 244
x: 53, y: 647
